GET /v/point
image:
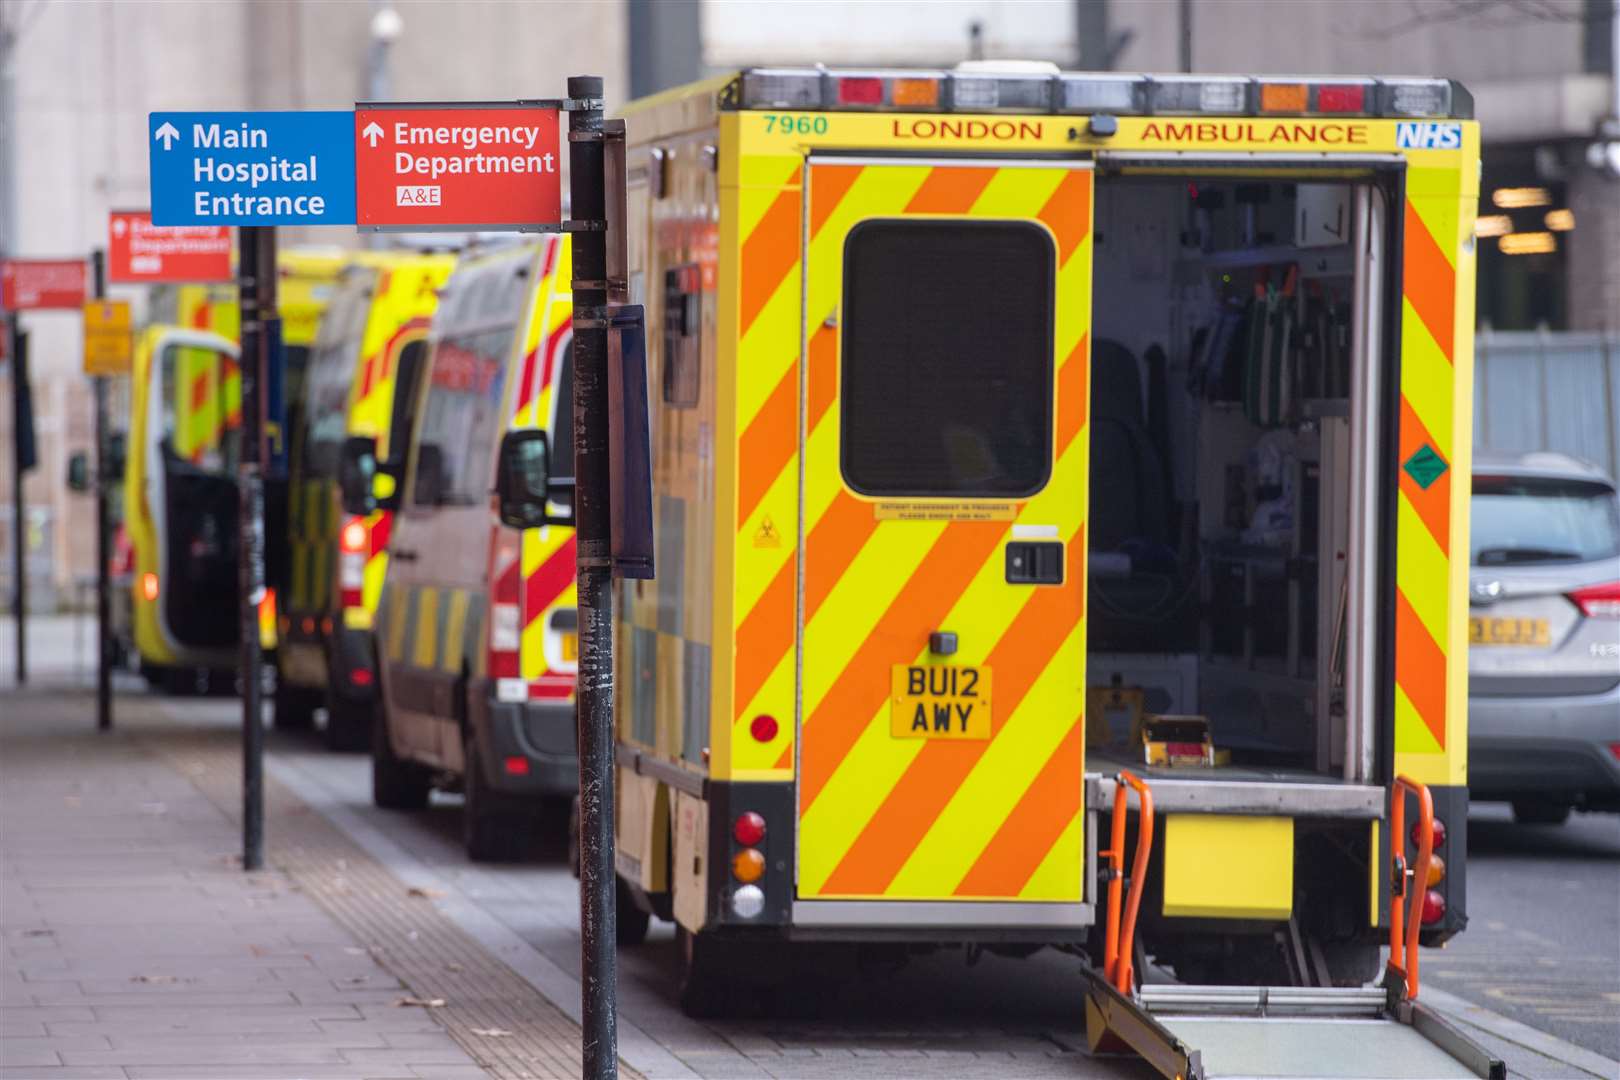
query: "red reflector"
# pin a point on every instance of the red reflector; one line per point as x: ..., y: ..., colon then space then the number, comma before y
x: 1614, y: 750
x: 1439, y: 833
x: 749, y: 828
x: 360, y: 676
x: 860, y: 91
x: 1341, y: 99
x: 517, y: 765
x: 1598, y: 601
x: 763, y: 728
x: 1434, y: 907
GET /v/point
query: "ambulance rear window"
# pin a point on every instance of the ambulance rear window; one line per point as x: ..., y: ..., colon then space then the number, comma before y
x: 946, y: 380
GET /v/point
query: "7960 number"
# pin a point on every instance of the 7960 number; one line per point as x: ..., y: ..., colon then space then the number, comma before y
x: 795, y: 124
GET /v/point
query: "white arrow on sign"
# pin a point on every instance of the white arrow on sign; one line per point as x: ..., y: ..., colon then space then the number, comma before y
x: 166, y: 135
x: 372, y: 133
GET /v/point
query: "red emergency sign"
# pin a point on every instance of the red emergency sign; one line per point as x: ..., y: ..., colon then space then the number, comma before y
x: 30, y: 284
x: 458, y: 167
x: 138, y: 251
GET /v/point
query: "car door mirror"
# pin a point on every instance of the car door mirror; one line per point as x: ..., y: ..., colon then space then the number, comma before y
x: 78, y: 471
x: 429, y: 485
x: 117, y: 452
x: 357, y: 468
x: 523, y: 483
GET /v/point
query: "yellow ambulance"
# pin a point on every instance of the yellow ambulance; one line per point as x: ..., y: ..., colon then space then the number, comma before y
x: 361, y: 378
x: 1001, y: 416
x: 176, y: 538
x: 476, y: 627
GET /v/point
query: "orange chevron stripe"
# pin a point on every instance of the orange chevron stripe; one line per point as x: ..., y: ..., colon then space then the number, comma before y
x: 1068, y: 212
x: 767, y: 444
x: 1429, y: 281
x: 1420, y: 668
x: 950, y: 189
x: 828, y: 186
x: 823, y: 374
x: 834, y: 541
x: 1071, y: 392
x: 944, y: 571
x: 1013, y: 855
x: 765, y: 636
x: 1434, y: 505
x: 915, y: 802
x: 769, y: 254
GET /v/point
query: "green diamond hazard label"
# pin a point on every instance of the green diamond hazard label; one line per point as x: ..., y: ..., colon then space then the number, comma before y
x: 1425, y: 466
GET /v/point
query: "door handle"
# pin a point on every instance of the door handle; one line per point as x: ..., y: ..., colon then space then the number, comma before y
x: 403, y: 556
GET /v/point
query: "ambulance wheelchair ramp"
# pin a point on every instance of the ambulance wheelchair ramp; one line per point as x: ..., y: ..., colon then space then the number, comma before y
x: 1228, y: 1032
x: 1274, y: 1032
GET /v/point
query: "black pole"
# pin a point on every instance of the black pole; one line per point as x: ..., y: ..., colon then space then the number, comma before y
x: 599, y: 974
x: 98, y: 269
x: 256, y: 280
x: 19, y: 531
x: 1184, y: 33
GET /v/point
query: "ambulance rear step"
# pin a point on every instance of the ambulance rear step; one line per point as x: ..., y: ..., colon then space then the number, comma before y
x: 1274, y: 1032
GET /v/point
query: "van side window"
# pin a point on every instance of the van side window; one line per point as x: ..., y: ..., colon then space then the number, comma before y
x: 562, y: 424
x: 946, y: 365
x: 465, y: 388
x: 407, y: 386
x: 683, y: 339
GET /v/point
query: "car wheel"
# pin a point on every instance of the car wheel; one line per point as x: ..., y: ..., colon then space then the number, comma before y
x: 701, y: 988
x: 493, y: 830
x: 348, y: 724
x: 395, y: 784
x: 294, y: 706
x: 1528, y: 812
x: 629, y: 921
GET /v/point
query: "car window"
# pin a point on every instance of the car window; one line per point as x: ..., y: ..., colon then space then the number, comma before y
x: 466, y: 384
x: 1526, y: 520
x: 330, y: 373
x: 946, y: 376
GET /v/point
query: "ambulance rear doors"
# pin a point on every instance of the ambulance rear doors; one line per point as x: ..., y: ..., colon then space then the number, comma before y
x: 942, y: 545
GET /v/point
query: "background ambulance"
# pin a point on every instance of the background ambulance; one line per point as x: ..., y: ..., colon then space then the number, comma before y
x: 175, y: 529
x: 999, y: 415
x: 476, y: 626
x: 361, y: 379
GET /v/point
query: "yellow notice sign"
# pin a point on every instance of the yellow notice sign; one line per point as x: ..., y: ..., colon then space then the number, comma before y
x: 109, y: 337
x: 943, y: 510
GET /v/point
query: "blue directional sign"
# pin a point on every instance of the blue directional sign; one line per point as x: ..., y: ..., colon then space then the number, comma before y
x: 252, y: 168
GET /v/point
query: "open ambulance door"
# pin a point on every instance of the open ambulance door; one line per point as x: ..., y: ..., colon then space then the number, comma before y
x: 941, y: 635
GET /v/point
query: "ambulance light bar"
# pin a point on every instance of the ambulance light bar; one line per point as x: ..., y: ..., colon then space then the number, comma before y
x: 979, y: 91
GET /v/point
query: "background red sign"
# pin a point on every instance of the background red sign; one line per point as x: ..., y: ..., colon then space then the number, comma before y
x: 32, y: 284
x: 457, y: 167
x: 138, y: 251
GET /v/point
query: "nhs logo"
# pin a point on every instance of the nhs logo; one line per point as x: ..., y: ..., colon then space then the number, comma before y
x: 1428, y: 136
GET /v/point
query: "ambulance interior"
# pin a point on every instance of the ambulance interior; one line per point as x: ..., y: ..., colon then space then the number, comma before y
x: 1221, y: 444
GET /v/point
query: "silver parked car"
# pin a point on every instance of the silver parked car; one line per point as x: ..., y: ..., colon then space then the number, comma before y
x: 1544, y: 636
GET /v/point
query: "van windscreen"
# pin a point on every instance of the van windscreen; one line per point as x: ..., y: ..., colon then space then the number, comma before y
x: 946, y: 371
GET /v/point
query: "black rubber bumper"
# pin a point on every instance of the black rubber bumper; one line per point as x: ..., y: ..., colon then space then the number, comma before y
x: 350, y: 651
x: 542, y: 734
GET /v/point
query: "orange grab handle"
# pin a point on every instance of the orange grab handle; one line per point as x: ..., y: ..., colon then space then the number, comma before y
x: 1401, y: 925
x: 1119, y: 941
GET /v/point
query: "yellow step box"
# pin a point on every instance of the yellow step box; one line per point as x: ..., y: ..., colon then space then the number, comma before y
x: 1226, y: 866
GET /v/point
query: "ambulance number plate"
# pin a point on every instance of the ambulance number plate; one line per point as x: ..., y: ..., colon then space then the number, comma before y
x: 1508, y: 631
x: 939, y: 701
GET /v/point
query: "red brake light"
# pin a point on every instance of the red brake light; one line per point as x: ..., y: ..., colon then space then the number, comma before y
x: 1598, y: 601
x: 1439, y: 833
x: 1434, y: 907
x: 354, y: 536
x: 1341, y: 99
x: 763, y: 727
x: 749, y: 828
x: 860, y: 91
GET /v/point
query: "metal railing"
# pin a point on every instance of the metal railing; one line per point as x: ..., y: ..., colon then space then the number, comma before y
x: 1408, y: 882
x: 1119, y: 944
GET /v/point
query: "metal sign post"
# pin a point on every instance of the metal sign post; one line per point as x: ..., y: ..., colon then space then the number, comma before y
x: 593, y: 517
x: 19, y: 531
x: 98, y: 273
x: 257, y: 283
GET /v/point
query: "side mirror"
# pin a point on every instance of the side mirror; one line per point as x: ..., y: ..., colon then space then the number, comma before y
x: 523, y: 483
x: 357, y: 466
x: 430, y: 485
x: 78, y: 471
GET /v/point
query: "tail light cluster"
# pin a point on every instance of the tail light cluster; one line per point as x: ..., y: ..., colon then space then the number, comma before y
x: 506, y: 619
x: 353, y: 542
x: 1598, y: 601
x: 1434, y: 901
x: 748, y: 865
